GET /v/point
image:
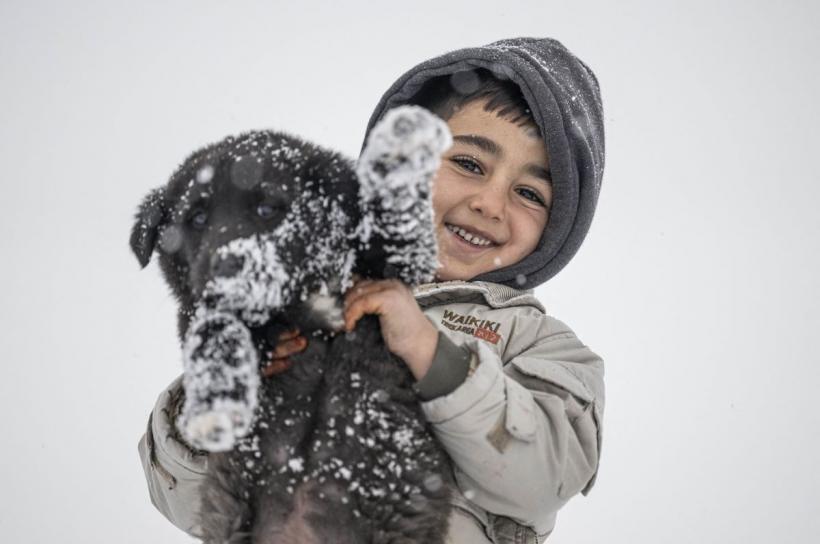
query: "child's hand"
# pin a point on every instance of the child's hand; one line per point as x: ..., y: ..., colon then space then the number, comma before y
x: 406, y: 330
x: 290, y: 342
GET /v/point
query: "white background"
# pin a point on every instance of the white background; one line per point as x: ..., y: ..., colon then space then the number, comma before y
x: 697, y: 282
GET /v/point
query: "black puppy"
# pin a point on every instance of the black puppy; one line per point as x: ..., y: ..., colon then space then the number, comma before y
x: 261, y: 233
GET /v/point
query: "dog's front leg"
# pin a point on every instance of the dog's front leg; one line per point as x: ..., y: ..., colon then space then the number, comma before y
x: 221, y: 382
x: 226, y: 513
x: 396, y: 171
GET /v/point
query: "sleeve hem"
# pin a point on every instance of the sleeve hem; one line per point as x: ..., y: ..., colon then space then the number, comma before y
x: 487, y: 376
x: 170, y: 452
x: 449, y: 369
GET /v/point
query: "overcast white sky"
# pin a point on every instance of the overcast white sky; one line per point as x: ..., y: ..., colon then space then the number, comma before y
x: 697, y: 283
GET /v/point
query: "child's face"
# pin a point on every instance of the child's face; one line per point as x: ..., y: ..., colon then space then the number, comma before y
x: 493, y: 182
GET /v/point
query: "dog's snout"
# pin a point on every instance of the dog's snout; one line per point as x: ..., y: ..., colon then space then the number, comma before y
x: 225, y: 266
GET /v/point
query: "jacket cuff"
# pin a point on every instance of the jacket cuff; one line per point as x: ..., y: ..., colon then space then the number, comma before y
x: 449, y: 369
x: 171, y: 452
x: 485, y: 380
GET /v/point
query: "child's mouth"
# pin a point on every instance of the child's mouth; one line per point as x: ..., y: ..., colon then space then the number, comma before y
x: 467, y: 239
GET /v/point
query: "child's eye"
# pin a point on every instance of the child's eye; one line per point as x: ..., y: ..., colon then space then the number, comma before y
x: 529, y: 194
x: 469, y: 164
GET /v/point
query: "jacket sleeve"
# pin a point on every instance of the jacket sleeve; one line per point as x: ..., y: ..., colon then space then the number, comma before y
x: 525, y: 436
x: 173, y: 470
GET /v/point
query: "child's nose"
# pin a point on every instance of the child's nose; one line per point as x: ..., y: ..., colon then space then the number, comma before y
x: 490, y: 202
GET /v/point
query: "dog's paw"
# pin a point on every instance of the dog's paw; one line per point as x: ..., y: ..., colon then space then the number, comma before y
x: 396, y: 172
x: 221, y: 381
x: 403, y: 152
x: 217, y: 429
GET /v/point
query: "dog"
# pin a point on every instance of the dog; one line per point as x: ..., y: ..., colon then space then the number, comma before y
x: 264, y: 232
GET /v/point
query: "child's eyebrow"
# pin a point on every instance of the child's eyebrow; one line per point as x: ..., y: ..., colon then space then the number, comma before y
x: 489, y: 146
x: 485, y: 144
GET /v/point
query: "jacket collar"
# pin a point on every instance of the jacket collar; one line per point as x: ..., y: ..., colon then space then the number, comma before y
x: 494, y: 295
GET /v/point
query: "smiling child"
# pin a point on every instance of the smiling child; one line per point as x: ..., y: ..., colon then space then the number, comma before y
x: 513, y: 395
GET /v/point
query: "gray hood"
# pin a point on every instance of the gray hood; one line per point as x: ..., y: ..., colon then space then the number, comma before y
x: 565, y: 100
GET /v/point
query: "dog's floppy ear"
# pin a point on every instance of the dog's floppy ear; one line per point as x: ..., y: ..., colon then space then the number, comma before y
x: 146, y: 227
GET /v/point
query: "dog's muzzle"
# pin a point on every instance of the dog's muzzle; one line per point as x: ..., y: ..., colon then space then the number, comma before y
x: 226, y: 265
x: 249, y: 279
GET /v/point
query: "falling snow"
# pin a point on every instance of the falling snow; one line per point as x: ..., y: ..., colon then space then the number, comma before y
x: 205, y: 174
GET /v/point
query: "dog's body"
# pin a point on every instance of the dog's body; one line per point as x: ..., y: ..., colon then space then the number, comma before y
x: 262, y: 233
x: 340, y: 454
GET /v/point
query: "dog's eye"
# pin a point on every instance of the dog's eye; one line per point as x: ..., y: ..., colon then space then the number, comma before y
x: 265, y: 211
x: 199, y: 218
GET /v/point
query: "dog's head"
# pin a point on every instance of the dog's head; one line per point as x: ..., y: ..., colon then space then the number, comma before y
x: 260, y: 203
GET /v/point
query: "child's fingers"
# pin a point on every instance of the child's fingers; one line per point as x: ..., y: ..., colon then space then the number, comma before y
x: 289, y: 347
x: 365, y: 288
x: 366, y: 304
x: 289, y: 342
x: 287, y: 335
x: 359, y: 288
x: 276, y: 366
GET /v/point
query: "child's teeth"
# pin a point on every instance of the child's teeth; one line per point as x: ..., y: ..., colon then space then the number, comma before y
x: 473, y: 239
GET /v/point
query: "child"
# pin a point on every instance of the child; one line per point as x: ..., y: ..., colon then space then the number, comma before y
x: 512, y: 394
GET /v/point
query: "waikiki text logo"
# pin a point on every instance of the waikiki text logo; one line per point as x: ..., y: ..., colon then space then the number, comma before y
x: 480, y: 328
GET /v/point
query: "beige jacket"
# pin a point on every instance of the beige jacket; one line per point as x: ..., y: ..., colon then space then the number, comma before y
x: 523, y: 430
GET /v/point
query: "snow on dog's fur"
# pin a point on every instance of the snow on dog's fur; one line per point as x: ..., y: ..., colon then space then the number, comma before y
x: 262, y: 233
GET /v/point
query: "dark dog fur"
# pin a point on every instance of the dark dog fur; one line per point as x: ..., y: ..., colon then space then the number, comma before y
x: 340, y: 451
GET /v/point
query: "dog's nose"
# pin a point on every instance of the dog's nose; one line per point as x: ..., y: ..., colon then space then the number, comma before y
x: 225, y: 266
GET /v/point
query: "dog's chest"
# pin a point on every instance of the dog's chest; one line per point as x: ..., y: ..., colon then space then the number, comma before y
x: 345, y: 458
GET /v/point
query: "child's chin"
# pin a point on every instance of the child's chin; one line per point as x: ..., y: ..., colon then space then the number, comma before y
x: 447, y: 275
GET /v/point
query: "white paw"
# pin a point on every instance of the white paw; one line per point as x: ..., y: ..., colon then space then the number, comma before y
x: 221, y: 381
x: 218, y: 429
x: 403, y: 149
